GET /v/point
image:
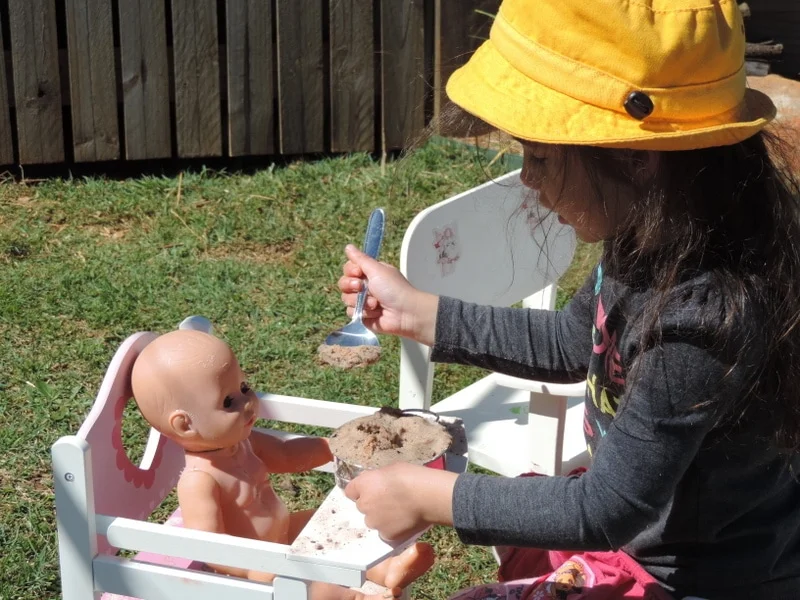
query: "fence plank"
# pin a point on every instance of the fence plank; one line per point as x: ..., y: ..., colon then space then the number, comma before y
x: 403, y: 70
x: 93, y: 86
x: 197, y: 94
x: 462, y: 31
x: 352, y: 76
x: 37, y: 88
x: 301, y: 76
x: 6, y: 145
x: 145, y: 79
x: 251, y: 119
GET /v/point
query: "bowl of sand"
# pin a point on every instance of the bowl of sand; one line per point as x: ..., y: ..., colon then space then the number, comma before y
x: 388, y: 436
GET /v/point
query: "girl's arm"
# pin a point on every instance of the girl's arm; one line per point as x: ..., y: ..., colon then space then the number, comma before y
x: 532, y: 344
x: 638, y: 465
x: 528, y: 343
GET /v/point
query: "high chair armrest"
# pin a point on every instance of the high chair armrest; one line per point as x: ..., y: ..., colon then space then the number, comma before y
x: 569, y: 390
x: 306, y: 411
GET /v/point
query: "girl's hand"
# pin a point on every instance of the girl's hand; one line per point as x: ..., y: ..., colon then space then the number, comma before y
x: 392, y: 305
x: 402, y: 499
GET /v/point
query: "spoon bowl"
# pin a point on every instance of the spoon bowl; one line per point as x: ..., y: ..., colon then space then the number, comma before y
x: 353, y: 334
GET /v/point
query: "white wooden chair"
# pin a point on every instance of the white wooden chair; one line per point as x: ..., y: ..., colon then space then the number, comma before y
x: 494, y: 245
x: 103, y: 501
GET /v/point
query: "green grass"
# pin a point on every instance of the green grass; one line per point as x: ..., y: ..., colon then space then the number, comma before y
x: 84, y: 263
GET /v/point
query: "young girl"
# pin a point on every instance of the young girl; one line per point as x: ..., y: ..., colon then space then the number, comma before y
x: 638, y: 131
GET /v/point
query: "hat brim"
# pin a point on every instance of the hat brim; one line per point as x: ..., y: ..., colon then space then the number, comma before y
x: 494, y: 91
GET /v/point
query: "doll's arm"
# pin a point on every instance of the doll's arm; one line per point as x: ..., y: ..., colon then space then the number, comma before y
x: 290, y: 456
x: 199, y: 499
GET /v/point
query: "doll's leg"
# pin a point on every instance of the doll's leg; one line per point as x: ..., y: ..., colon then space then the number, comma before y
x: 405, y: 568
x: 394, y: 574
x: 328, y: 591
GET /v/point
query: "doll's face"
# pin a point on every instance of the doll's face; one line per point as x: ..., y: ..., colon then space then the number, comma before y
x: 221, y: 409
x: 190, y: 386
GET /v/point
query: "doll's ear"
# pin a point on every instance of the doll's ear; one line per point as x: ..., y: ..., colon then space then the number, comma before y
x: 180, y: 424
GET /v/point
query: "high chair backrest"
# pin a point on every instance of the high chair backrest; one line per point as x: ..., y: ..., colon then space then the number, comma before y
x: 492, y: 245
x: 121, y: 488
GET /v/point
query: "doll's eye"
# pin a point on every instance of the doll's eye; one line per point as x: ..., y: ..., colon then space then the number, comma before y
x: 228, y: 402
x: 244, y: 388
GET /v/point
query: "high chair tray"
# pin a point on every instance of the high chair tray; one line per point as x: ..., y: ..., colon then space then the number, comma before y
x: 337, y: 536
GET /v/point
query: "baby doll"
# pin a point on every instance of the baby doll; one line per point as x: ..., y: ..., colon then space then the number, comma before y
x: 190, y: 387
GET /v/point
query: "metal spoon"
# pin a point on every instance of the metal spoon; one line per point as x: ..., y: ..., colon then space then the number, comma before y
x: 355, y: 333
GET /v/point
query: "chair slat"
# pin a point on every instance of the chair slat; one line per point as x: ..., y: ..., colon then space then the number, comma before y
x: 219, y: 549
x: 134, y: 579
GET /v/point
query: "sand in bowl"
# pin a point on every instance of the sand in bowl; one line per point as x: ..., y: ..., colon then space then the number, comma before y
x: 348, y: 357
x: 388, y: 436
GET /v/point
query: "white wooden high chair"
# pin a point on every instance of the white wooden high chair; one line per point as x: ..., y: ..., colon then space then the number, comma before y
x: 494, y: 245
x: 103, y: 501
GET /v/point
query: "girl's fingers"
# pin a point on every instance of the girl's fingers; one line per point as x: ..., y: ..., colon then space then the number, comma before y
x: 369, y: 266
x: 350, y: 284
x: 367, y: 314
x: 350, y: 301
x: 351, y: 269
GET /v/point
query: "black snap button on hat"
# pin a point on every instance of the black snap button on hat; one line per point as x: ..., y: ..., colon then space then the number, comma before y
x: 639, y: 105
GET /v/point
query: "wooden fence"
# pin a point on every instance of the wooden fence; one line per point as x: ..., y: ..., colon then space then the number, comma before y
x: 778, y: 21
x: 110, y: 80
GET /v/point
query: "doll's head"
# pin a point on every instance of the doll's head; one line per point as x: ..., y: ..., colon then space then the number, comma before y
x: 189, y: 386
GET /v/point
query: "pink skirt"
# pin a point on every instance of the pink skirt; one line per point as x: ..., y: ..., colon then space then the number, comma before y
x: 535, y: 574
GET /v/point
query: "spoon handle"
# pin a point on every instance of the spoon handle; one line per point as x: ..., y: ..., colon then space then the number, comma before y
x: 372, y: 245
x: 374, y: 235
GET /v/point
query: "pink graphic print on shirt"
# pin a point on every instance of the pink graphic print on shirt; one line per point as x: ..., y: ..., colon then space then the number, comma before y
x: 608, y: 345
x: 602, y: 382
x: 606, y: 348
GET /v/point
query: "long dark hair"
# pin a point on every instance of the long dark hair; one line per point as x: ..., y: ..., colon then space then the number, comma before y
x: 734, y: 212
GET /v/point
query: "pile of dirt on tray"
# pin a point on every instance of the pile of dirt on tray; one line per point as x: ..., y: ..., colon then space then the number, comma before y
x: 348, y: 357
x: 389, y: 436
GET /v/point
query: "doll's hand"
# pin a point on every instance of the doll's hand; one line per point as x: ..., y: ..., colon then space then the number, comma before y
x: 402, y: 499
x: 392, y: 305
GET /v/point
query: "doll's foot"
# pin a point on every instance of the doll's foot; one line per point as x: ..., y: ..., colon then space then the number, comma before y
x: 383, y: 595
x: 400, y: 571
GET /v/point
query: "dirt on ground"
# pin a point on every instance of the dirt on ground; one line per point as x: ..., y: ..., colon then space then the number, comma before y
x: 348, y: 357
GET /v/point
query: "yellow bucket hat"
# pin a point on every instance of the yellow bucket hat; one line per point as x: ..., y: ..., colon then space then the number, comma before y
x: 643, y: 74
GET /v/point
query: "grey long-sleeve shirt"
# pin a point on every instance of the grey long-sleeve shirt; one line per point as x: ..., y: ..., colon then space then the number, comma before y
x: 707, y: 510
